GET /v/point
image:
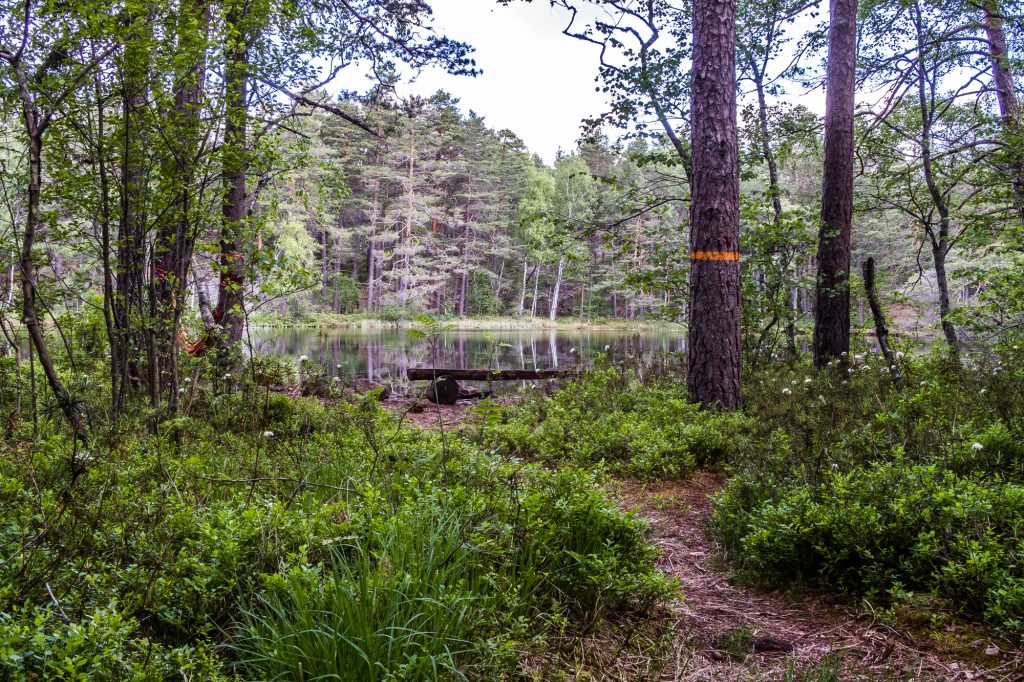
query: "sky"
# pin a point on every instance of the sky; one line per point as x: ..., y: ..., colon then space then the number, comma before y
x: 536, y: 81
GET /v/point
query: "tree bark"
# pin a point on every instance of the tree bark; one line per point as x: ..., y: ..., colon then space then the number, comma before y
x: 34, y: 130
x: 881, y: 328
x: 522, y: 291
x: 713, y: 349
x: 553, y: 311
x: 1006, y: 96
x: 939, y: 238
x: 536, y: 284
x: 231, y: 298
x: 832, y: 302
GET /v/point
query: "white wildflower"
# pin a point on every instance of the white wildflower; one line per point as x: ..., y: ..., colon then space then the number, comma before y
x: 983, y: 391
x: 793, y: 382
x: 303, y: 358
x: 268, y: 434
x: 607, y: 348
x: 572, y: 350
x: 899, y: 355
x: 821, y: 397
x: 181, y: 390
x: 807, y: 380
x: 786, y: 391
x: 227, y: 376
x: 924, y: 383
x: 977, y: 447
x: 845, y: 382
x: 188, y: 380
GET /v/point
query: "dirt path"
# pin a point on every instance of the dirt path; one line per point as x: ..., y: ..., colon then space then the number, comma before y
x: 718, y: 620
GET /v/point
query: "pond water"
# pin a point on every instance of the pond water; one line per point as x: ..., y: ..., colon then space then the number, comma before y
x: 383, y: 355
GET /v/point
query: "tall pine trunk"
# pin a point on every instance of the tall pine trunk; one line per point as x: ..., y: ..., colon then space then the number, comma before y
x: 832, y: 302
x: 713, y: 350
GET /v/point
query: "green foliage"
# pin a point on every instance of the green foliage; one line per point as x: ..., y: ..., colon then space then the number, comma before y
x: 866, y: 488
x: 104, y: 644
x: 249, y: 521
x: 646, y: 430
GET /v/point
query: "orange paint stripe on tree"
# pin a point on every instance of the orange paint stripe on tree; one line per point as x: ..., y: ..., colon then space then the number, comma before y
x: 715, y: 255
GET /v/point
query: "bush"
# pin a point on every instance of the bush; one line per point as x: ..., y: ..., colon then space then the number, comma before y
x: 884, y: 529
x: 644, y: 430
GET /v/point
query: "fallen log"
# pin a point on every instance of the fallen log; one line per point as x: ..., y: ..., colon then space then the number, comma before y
x: 428, y: 373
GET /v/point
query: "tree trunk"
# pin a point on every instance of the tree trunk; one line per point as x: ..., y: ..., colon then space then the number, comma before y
x: 713, y: 349
x: 522, y: 291
x: 832, y: 303
x: 1006, y: 96
x: 231, y: 297
x: 129, y: 306
x: 176, y: 233
x: 34, y: 129
x: 553, y: 311
x: 940, y: 239
x: 536, y: 284
x: 881, y: 329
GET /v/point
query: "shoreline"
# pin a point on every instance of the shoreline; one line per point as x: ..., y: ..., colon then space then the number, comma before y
x: 325, y: 321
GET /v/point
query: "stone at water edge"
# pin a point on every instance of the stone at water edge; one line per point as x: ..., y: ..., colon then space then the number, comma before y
x: 443, y: 391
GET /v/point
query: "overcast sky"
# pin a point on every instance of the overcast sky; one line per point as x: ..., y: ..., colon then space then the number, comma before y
x: 536, y: 81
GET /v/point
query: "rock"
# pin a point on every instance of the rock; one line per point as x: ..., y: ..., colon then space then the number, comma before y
x: 991, y: 650
x: 367, y: 386
x: 443, y: 391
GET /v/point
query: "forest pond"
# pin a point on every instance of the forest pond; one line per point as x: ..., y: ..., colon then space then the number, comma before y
x: 383, y: 355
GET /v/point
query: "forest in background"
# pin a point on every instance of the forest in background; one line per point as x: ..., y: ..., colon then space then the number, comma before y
x: 422, y: 208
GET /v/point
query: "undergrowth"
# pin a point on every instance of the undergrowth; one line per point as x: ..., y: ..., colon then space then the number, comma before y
x: 253, y: 537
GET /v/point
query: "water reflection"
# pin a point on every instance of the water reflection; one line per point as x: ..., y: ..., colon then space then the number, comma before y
x: 383, y: 355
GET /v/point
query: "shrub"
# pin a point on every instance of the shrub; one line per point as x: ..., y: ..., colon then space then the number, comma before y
x: 645, y: 430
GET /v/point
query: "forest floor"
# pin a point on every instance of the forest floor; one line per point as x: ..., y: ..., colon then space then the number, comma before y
x: 723, y: 630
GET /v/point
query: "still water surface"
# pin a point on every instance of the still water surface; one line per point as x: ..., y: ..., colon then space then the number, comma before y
x: 383, y: 355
